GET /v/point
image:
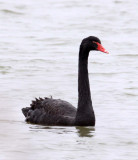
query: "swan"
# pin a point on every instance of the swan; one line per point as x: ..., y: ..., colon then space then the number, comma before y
x: 57, y: 112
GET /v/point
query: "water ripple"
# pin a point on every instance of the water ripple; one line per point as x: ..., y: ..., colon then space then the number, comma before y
x: 7, y: 11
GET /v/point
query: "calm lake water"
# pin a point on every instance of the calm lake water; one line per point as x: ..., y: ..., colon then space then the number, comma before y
x: 39, y: 44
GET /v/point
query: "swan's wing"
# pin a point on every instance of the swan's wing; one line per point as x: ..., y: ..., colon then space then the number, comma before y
x: 50, y: 111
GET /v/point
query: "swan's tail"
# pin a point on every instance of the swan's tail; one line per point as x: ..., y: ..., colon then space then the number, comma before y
x: 25, y: 111
x: 35, y: 104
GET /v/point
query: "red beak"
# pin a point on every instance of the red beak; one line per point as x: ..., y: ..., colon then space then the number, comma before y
x: 101, y: 48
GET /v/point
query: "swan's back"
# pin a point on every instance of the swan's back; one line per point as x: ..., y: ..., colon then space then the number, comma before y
x: 50, y: 111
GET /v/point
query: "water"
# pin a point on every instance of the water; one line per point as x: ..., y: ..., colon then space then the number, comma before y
x: 39, y: 54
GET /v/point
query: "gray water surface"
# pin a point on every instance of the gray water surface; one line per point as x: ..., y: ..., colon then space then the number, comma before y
x: 39, y: 44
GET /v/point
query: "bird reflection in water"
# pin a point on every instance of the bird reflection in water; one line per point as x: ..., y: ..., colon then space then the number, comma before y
x: 81, y: 131
x: 85, y: 131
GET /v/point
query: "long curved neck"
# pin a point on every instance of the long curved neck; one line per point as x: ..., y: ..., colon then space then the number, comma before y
x: 84, y: 94
x: 85, y: 114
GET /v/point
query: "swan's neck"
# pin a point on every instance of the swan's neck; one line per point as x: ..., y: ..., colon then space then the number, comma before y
x: 85, y: 114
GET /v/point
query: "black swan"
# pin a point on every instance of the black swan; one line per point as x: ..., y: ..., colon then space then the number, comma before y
x: 49, y: 111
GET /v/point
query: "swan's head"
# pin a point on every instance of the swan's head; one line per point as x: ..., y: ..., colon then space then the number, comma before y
x: 93, y: 43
